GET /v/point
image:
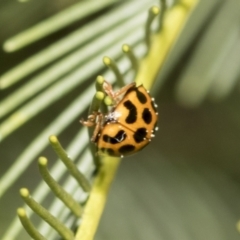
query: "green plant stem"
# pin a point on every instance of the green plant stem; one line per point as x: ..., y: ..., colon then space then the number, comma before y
x: 72, y: 168
x: 66, y: 198
x: 108, y: 101
x: 97, y: 199
x: 96, y: 102
x: 132, y: 57
x: 28, y: 226
x: 46, y: 216
x: 99, y: 83
x: 113, y: 66
x: 99, y: 87
x: 238, y: 226
x: 152, y: 13
x: 162, y: 42
x: 161, y: 14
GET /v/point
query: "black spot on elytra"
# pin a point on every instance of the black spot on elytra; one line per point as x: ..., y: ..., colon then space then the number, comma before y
x: 147, y: 116
x: 140, y: 135
x: 141, y: 96
x: 126, y: 149
x: 132, y: 115
x: 119, y: 137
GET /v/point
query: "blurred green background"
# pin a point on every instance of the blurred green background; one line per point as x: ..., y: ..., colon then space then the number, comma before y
x: 186, y: 184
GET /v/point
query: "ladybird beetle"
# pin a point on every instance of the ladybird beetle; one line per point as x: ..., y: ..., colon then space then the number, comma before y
x: 130, y: 124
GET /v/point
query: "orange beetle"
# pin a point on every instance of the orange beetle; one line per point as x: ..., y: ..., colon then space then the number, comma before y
x: 130, y: 124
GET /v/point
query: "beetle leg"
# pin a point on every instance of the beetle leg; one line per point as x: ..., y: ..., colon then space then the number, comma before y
x: 124, y: 89
x: 107, y: 87
x: 90, y: 121
x: 94, y: 119
x: 114, y: 95
x: 97, y: 127
x: 86, y: 123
